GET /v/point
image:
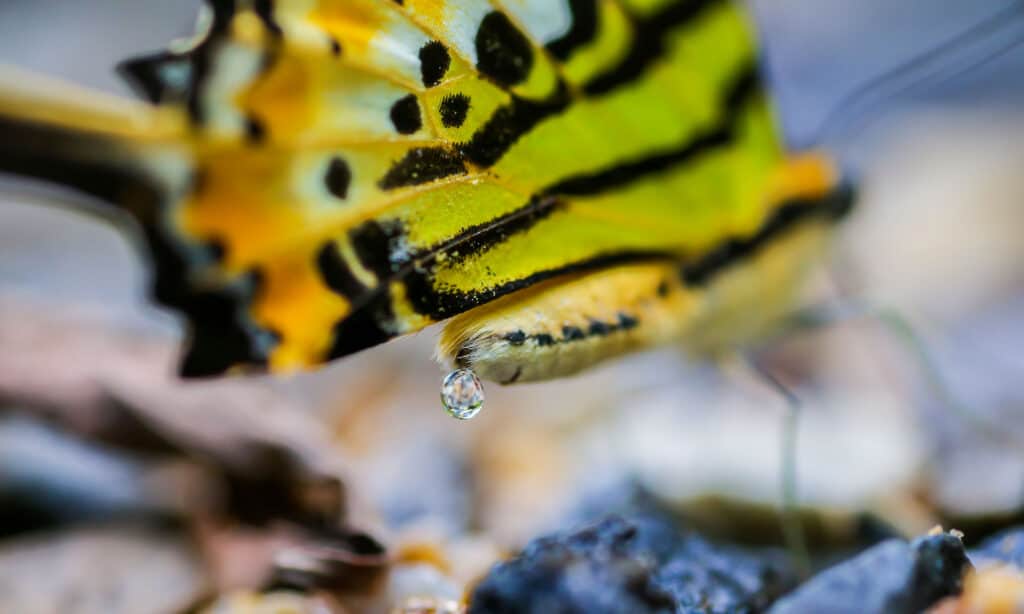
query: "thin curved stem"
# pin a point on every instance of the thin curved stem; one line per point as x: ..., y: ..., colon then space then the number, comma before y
x: 792, y: 525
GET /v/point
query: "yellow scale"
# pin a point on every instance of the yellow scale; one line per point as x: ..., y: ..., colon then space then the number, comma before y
x: 564, y: 181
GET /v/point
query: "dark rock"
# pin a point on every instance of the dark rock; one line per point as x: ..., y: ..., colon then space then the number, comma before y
x: 894, y: 577
x: 643, y: 565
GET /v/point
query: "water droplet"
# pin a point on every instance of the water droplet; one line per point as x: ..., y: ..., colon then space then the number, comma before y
x: 462, y: 394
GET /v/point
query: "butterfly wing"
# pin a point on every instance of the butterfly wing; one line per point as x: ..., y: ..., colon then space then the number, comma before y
x: 360, y: 169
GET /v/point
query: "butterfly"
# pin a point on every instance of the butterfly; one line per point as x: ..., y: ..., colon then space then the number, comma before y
x: 561, y: 181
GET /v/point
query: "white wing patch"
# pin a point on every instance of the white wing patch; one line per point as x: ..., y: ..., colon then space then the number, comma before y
x: 456, y: 23
x: 543, y: 20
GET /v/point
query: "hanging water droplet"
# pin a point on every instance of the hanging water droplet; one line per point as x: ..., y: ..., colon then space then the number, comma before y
x: 462, y: 394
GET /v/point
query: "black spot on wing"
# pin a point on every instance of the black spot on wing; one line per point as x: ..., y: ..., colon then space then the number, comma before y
x: 453, y: 110
x: 337, y: 273
x: 364, y: 328
x: 335, y: 47
x: 255, y: 130
x: 405, y: 115
x: 434, y: 62
x: 487, y: 145
x: 503, y: 52
x: 422, y: 165
x: 373, y: 242
x: 338, y: 178
x: 581, y: 32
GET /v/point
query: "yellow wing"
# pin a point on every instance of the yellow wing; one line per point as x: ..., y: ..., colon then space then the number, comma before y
x: 324, y: 175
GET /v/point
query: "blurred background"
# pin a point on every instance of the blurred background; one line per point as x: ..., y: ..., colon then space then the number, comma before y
x: 187, y: 491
